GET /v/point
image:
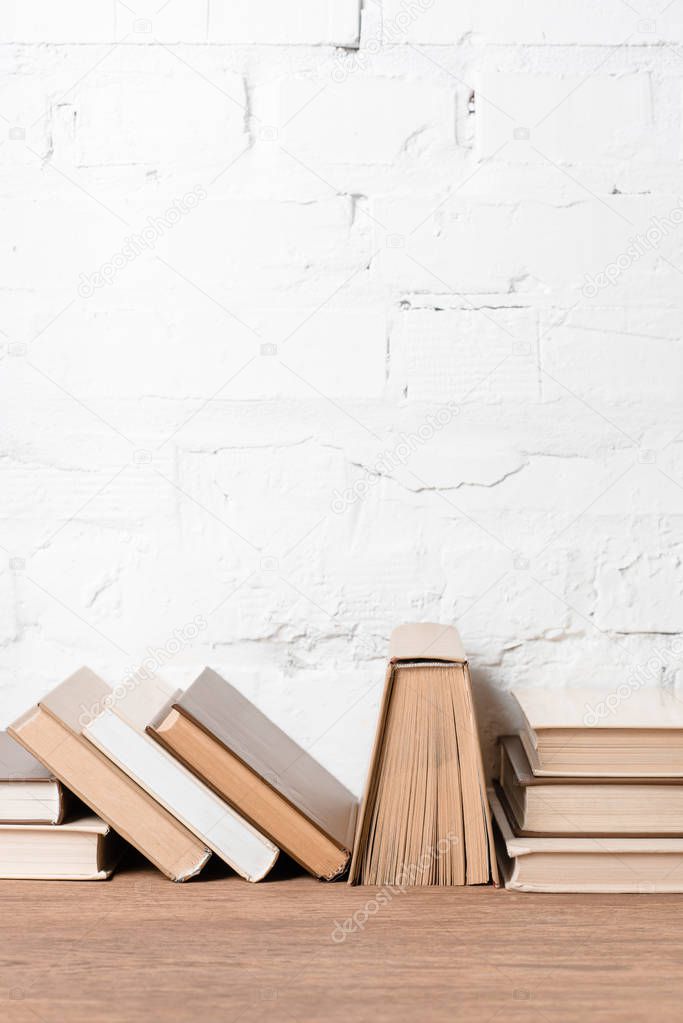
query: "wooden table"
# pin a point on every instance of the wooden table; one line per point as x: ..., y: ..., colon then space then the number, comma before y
x: 220, y: 949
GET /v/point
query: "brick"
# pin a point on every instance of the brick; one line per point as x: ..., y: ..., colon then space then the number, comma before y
x: 587, y: 22
x: 334, y: 22
x: 466, y: 356
x: 532, y: 118
x: 630, y: 354
x: 39, y: 21
x: 347, y: 123
x: 155, y: 111
x: 318, y: 356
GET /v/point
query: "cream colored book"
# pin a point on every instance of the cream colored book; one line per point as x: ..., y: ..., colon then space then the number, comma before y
x: 119, y: 734
x: 82, y: 849
x: 551, y: 805
x: 628, y: 733
x: 586, y: 864
x: 29, y: 793
x: 425, y: 817
x: 53, y: 732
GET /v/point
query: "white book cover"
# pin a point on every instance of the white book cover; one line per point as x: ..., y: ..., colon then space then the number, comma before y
x: 118, y: 732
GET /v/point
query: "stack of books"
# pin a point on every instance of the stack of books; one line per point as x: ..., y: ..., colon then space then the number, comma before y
x: 590, y: 793
x: 35, y: 839
x: 183, y: 776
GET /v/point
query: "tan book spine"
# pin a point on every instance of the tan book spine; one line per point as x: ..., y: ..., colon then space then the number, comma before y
x: 111, y: 794
x: 363, y: 820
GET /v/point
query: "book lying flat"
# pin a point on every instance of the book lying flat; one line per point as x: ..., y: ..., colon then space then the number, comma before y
x: 251, y: 764
x: 586, y: 864
x: 550, y: 805
x: 425, y: 818
x: 29, y: 793
x: 83, y: 849
x: 52, y: 732
x: 119, y: 734
x: 637, y: 733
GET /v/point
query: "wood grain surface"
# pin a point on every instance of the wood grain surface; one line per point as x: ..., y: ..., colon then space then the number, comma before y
x: 142, y: 948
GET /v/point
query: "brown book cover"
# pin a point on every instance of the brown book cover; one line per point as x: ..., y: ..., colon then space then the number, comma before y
x: 431, y: 659
x: 252, y: 764
x: 51, y: 731
x: 29, y: 793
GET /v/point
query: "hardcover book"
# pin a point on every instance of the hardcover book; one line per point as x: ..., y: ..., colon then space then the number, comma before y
x: 425, y: 818
x: 83, y: 849
x: 53, y: 732
x: 635, y: 733
x: 593, y: 864
x: 29, y: 793
x: 553, y: 805
x: 119, y: 734
x: 265, y: 776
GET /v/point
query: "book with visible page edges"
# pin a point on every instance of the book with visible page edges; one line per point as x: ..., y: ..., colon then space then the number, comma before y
x: 634, y: 733
x: 29, y: 793
x: 262, y: 773
x: 82, y: 849
x: 627, y: 865
x: 52, y: 732
x: 425, y: 818
x: 552, y: 805
x: 119, y: 734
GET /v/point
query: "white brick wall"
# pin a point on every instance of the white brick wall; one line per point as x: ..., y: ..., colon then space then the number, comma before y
x: 316, y: 320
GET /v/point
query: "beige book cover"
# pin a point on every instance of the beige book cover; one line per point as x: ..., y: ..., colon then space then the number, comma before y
x: 557, y: 805
x: 84, y: 848
x: 52, y: 732
x: 597, y: 709
x: 587, y: 864
x: 585, y: 732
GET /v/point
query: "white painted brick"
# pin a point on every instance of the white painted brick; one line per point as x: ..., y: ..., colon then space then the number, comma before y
x: 602, y: 352
x: 149, y: 108
x: 639, y: 588
x: 308, y: 354
x: 363, y: 120
x: 296, y: 483
x: 333, y: 22
x: 39, y: 252
x: 460, y: 356
x: 317, y: 355
x: 529, y: 118
x: 425, y: 21
x: 433, y: 245
x: 587, y: 22
x: 39, y: 21
x: 459, y: 246
x: 268, y: 246
x: 167, y: 23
